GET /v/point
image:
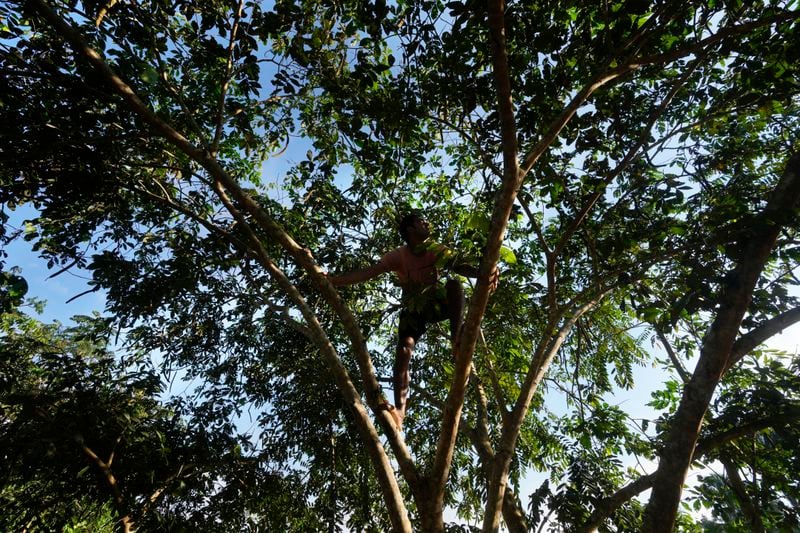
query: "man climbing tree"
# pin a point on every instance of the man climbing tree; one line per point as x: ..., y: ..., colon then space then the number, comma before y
x: 425, y: 300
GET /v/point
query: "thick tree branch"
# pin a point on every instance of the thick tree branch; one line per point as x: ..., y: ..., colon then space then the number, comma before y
x: 505, y: 451
x: 746, y: 343
x: 513, y: 515
x: 605, y: 507
x: 716, y: 350
x: 388, y: 483
x: 111, y: 482
x: 499, y: 221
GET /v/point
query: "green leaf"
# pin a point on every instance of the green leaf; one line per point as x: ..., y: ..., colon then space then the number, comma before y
x: 572, y: 12
x: 149, y: 75
x: 507, y: 255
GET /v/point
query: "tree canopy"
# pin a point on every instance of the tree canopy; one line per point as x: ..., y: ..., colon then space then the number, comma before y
x: 632, y: 166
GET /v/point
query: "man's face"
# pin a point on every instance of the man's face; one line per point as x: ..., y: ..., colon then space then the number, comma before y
x: 421, y: 228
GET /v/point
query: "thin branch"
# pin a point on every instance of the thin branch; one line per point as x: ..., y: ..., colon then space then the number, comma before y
x: 178, y: 94
x: 111, y: 482
x: 618, y: 72
x: 282, y: 312
x: 103, y: 12
x: 485, y: 157
x: 746, y: 503
x: 64, y: 269
x: 499, y: 396
x: 226, y: 83
x: 540, y: 362
x: 535, y: 225
x: 114, y: 450
x: 627, y: 160
x: 84, y: 293
x: 156, y: 495
x: 685, y: 377
x: 212, y: 228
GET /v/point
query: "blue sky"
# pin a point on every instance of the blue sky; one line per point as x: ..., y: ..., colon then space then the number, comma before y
x: 56, y: 291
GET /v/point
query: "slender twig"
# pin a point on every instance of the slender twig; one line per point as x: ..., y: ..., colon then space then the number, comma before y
x: 685, y: 377
x: 499, y: 396
x: 485, y: 157
x: 226, y: 81
x: 104, y: 11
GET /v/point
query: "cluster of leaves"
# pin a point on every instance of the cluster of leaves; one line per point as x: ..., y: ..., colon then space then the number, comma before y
x: 763, y: 393
x: 75, y: 415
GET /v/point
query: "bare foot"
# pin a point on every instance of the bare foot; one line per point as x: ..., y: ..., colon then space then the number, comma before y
x: 397, y: 416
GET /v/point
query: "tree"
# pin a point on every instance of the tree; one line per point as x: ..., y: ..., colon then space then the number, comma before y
x: 636, y: 157
x: 90, y: 442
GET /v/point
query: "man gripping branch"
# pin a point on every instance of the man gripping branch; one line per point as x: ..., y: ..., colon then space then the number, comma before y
x: 425, y: 300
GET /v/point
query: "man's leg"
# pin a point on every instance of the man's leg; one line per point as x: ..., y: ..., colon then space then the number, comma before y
x: 455, y: 308
x: 401, y: 378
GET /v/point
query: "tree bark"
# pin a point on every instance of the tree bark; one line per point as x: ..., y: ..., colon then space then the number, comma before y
x: 480, y: 297
x: 716, y: 351
x: 749, y: 509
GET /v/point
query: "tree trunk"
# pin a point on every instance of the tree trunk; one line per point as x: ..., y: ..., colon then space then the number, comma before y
x: 430, y: 509
x: 716, y: 351
x: 605, y: 507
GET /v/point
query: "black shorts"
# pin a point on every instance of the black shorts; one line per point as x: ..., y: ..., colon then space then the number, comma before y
x: 419, y: 310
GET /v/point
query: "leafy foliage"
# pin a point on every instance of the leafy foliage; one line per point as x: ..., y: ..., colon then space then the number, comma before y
x: 651, y: 137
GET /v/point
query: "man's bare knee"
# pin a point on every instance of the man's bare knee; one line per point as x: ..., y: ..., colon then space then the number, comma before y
x: 405, y: 346
x: 453, y: 285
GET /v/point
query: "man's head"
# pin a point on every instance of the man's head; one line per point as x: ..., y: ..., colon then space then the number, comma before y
x: 414, y: 228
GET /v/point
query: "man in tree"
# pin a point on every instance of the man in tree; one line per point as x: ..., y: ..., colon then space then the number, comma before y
x: 425, y: 299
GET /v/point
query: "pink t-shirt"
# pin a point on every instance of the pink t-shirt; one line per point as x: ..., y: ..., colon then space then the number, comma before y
x: 410, y: 268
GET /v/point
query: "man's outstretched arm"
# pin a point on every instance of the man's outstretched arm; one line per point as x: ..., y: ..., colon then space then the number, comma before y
x: 358, y: 276
x: 471, y: 271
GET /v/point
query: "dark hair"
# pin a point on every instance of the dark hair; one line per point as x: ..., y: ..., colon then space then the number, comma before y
x: 406, y: 222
